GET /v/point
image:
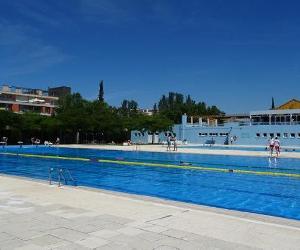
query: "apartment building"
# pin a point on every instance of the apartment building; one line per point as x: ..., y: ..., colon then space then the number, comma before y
x: 20, y: 100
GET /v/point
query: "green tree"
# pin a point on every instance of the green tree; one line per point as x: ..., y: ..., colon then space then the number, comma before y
x: 101, y: 92
x: 273, y: 103
x: 175, y: 105
x: 154, y: 124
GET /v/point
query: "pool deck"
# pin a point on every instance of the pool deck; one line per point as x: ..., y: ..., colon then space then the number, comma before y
x: 162, y: 148
x: 36, y: 215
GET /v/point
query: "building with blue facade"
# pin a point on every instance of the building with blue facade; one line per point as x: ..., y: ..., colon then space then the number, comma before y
x: 255, y: 128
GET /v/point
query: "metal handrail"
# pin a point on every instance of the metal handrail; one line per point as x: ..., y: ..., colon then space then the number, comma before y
x: 70, y: 176
x: 50, y: 175
x: 61, y: 176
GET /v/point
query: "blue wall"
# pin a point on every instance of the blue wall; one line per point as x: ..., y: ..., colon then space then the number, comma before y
x: 289, y: 135
x: 245, y: 135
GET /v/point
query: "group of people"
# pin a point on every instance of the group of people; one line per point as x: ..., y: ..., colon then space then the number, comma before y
x: 36, y: 141
x: 274, y: 144
x: 171, y: 139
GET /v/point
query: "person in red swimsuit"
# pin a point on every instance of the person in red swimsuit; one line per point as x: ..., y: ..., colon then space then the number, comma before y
x: 277, y: 146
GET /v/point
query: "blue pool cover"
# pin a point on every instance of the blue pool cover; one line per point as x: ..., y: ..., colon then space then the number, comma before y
x: 258, y: 193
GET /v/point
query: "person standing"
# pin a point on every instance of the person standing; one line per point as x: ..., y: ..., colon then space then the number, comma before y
x: 175, y: 143
x: 277, y: 146
x: 271, y: 146
x: 168, y: 143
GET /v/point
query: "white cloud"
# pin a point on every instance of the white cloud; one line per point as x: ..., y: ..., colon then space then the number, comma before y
x: 23, y: 52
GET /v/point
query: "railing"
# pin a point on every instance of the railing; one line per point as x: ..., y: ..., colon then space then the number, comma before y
x: 2, y: 98
x: 62, y: 176
x: 247, y: 123
x: 272, y: 123
x: 20, y: 90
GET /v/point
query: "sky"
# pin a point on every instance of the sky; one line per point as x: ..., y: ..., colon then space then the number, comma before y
x: 236, y: 54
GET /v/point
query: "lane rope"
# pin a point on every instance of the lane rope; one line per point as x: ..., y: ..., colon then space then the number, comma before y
x: 160, y: 165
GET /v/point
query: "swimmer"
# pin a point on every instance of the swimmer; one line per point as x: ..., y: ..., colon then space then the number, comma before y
x: 182, y: 163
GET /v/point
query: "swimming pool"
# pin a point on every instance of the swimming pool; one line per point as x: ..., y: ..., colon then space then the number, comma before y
x: 199, y: 179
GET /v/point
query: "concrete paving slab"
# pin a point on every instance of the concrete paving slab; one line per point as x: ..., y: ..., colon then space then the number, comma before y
x: 113, y: 226
x: 151, y: 236
x: 86, y: 228
x: 68, y: 234
x: 5, y: 236
x: 92, y: 242
x: 152, y: 228
x: 11, y: 244
x: 133, y: 242
x: 28, y: 247
x: 46, y: 240
x: 105, y: 233
x: 115, y: 246
x: 179, y: 234
x: 70, y: 246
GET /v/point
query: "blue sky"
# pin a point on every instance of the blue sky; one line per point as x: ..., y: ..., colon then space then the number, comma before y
x: 235, y: 54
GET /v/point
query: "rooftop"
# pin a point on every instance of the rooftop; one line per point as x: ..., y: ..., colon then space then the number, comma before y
x: 10, y: 89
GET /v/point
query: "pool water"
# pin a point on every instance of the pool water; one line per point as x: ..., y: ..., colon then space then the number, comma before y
x: 264, y: 194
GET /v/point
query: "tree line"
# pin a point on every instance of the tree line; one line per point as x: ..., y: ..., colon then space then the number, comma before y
x: 176, y: 104
x: 96, y: 121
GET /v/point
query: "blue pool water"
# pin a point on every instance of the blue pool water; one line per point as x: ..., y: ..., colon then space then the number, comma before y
x: 272, y: 195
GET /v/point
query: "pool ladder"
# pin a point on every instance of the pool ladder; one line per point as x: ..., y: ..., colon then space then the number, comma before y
x: 63, y: 176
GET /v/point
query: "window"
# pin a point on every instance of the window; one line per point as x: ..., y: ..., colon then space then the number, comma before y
x: 298, y: 135
x: 257, y: 134
x: 265, y: 135
x: 213, y: 134
x: 202, y: 134
x: 285, y: 135
x: 278, y: 134
x: 166, y: 134
x: 272, y: 135
x: 136, y: 134
x: 293, y: 135
x: 223, y: 134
